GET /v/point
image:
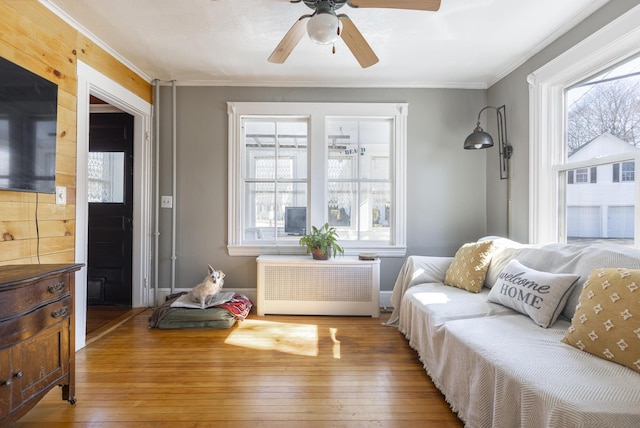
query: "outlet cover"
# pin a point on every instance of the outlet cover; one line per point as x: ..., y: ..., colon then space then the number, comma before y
x: 166, y: 202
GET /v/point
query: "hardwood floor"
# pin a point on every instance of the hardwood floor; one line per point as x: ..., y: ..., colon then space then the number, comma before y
x: 103, y: 319
x: 273, y: 371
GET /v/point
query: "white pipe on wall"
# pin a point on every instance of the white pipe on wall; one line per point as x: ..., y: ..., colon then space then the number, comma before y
x: 174, y: 186
x: 156, y: 208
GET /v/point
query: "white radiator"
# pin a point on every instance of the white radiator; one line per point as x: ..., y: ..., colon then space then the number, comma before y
x: 299, y: 285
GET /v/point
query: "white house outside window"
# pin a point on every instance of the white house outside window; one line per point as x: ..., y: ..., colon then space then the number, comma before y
x: 294, y: 165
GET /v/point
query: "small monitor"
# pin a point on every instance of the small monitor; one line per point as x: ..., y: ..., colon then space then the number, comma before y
x: 295, y: 220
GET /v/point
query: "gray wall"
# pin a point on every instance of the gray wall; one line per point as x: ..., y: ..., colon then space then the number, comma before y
x: 513, y: 91
x: 455, y: 196
x: 446, y: 190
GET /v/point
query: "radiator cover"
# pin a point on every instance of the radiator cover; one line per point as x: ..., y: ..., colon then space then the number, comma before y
x: 299, y: 285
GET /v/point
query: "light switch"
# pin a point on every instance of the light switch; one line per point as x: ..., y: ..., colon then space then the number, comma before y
x: 61, y: 195
x: 166, y: 202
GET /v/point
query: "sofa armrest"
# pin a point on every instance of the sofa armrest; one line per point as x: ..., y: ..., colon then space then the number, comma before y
x: 417, y: 270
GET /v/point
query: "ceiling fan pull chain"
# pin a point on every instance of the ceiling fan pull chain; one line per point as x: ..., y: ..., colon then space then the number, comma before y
x: 333, y: 49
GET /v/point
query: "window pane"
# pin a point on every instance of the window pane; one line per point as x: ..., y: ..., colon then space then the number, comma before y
x: 264, y: 214
x: 359, y: 178
x: 106, y: 177
x: 268, y: 139
x: 628, y: 171
x: 375, y: 209
x: 375, y: 142
x: 342, y: 197
x: 601, y: 211
x: 605, y: 105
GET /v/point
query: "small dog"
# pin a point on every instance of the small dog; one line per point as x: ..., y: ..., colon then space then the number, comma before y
x: 209, y: 286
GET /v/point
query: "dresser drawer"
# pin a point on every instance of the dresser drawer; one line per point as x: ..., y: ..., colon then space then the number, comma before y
x: 22, y: 299
x: 18, y: 329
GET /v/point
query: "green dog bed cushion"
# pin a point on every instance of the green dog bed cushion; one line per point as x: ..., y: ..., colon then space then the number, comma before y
x: 166, y: 317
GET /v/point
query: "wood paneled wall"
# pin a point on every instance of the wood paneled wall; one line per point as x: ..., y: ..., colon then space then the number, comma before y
x: 32, y: 227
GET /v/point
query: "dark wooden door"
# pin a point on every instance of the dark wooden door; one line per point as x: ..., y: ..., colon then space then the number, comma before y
x: 110, y: 171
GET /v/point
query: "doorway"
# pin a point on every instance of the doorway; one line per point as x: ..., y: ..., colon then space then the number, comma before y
x: 110, y: 197
x: 93, y: 83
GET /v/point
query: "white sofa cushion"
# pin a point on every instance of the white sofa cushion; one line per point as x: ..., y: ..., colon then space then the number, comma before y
x: 416, y: 270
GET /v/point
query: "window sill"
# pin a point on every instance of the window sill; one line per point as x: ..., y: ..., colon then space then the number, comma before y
x: 258, y: 250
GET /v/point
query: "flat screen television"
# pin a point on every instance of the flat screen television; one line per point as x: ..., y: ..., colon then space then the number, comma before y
x: 28, y: 116
x: 295, y: 220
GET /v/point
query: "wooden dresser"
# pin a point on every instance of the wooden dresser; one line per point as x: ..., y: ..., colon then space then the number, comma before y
x: 37, y: 338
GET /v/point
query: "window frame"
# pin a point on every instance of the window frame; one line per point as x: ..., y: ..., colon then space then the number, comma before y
x: 318, y: 114
x: 617, y: 41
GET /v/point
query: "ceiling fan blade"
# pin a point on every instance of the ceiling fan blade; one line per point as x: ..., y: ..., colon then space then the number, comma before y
x: 289, y: 41
x: 431, y: 5
x: 356, y: 43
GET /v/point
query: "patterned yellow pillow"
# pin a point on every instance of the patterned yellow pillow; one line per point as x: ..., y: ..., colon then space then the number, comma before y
x: 607, y: 319
x: 469, y: 266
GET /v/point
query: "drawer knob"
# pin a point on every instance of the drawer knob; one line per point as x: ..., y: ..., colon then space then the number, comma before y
x: 59, y: 313
x: 8, y: 382
x: 56, y: 288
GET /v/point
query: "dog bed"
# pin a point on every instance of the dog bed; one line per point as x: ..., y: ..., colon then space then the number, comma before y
x: 224, y: 316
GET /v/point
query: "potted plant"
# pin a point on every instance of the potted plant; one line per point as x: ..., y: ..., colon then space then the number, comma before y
x: 322, y: 242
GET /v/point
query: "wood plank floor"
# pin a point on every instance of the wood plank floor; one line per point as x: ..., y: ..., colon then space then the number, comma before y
x: 273, y: 371
x: 100, y: 316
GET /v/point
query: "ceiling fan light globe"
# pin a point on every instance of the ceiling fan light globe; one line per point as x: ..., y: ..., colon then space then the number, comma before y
x: 323, y: 28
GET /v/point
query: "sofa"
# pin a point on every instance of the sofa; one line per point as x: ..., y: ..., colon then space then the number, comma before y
x: 520, y: 335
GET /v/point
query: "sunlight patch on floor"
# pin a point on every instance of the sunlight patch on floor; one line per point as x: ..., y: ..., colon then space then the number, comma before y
x: 297, y: 339
x: 336, y: 342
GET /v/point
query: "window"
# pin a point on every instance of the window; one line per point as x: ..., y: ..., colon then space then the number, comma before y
x: 623, y: 172
x: 293, y: 165
x: 105, y: 174
x: 585, y: 107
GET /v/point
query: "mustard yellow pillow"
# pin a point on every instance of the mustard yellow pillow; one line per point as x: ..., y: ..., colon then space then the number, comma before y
x: 469, y: 266
x: 607, y: 319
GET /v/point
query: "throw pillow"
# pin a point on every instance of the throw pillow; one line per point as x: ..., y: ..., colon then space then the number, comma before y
x: 607, y: 319
x: 469, y: 266
x: 539, y: 295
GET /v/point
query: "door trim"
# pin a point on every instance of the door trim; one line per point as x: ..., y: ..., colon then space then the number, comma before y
x: 92, y: 82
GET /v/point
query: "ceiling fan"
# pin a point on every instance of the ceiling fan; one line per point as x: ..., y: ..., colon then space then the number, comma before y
x: 323, y: 26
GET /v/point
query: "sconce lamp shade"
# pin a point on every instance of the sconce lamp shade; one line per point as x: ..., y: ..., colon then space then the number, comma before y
x: 323, y: 27
x: 478, y: 139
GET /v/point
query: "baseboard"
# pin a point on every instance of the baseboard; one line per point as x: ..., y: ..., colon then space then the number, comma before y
x: 252, y: 294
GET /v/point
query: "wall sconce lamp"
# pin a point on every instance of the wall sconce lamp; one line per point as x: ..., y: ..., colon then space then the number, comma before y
x: 482, y: 140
